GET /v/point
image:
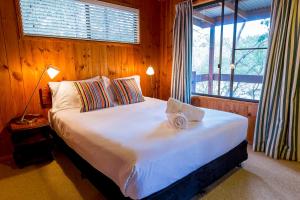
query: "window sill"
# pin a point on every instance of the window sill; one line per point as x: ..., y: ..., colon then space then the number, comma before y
x: 76, y: 40
x: 228, y: 98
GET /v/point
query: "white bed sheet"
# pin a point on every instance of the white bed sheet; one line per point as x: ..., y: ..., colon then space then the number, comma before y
x: 135, y: 146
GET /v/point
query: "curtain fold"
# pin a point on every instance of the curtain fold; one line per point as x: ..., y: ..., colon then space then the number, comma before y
x: 278, y: 119
x: 182, y: 52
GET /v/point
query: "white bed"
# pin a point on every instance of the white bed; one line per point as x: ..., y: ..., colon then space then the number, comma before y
x: 135, y: 147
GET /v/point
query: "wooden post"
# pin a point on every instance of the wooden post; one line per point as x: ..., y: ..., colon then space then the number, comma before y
x: 211, y: 59
x: 194, y: 81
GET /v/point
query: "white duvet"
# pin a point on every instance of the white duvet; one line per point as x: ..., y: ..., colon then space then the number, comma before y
x: 135, y: 147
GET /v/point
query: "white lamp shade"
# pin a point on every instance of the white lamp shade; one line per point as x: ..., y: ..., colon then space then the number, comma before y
x: 52, y: 71
x: 150, y: 71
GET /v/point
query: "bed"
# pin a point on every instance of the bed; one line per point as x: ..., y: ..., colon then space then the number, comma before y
x: 133, y: 153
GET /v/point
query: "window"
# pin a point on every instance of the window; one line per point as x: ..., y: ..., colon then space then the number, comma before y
x: 80, y: 19
x: 230, y: 39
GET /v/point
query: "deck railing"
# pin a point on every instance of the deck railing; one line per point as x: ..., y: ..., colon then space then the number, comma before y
x: 224, y: 77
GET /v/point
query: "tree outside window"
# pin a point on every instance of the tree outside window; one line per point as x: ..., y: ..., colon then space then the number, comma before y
x: 252, y: 30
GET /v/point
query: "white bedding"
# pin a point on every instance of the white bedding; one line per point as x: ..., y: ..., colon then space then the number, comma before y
x: 135, y: 146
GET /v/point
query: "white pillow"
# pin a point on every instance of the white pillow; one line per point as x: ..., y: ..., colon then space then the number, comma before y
x: 53, y: 88
x: 65, y: 95
x: 109, y: 86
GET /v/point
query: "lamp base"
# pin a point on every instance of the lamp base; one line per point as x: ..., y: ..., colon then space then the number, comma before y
x: 28, y: 119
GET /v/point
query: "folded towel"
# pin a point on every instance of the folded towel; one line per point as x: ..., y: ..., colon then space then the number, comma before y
x: 178, y: 120
x: 192, y: 113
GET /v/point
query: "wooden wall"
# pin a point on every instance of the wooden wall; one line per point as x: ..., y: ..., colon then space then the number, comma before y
x: 22, y: 59
x: 246, y: 109
x: 167, y: 8
x: 166, y: 48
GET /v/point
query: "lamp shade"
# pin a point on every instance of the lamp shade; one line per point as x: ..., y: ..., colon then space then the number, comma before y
x: 52, y: 71
x: 150, y: 71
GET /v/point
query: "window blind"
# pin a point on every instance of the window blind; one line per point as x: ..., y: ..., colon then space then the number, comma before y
x: 80, y: 19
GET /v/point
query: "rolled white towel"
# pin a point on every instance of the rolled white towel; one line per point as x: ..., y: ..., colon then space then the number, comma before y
x: 178, y: 120
x: 192, y: 113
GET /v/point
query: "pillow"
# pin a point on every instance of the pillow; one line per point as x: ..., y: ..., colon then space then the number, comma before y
x: 127, y: 91
x: 53, y: 88
x: 65, y: 95
x: 110, y: 89
x: 137, y: 78
x: 93, y: 95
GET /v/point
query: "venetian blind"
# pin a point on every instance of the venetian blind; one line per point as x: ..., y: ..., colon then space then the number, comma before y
x: 80, y: 19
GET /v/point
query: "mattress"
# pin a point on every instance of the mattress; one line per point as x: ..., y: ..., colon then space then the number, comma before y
x: 135, y: 146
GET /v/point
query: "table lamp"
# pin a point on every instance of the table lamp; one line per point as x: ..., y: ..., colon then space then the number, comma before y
x: 52, y: 72
x: 150, y: 72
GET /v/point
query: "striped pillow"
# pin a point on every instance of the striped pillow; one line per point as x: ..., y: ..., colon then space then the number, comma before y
x: 127, y: 91
x: 93, y: 95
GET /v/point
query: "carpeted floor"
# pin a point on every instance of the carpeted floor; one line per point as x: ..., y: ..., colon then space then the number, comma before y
x: 260, y: 178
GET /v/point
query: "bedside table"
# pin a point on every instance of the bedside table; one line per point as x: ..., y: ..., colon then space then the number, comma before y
x: 32, y: 143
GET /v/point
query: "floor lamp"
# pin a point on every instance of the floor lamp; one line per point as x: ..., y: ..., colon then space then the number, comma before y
x: 52, y: 72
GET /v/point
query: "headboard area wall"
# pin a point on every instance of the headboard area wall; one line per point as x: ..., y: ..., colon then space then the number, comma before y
x: 22, y: 59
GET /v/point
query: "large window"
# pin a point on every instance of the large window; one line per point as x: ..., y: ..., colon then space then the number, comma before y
x: 80, y: 19
x: 230, y: 40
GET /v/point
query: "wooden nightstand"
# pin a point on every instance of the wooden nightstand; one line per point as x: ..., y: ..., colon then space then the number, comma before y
x: 32, y: 143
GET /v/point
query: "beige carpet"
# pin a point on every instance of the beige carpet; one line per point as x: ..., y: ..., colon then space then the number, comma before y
x: 260, y: 178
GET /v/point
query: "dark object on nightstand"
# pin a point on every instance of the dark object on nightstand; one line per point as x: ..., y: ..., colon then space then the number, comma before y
x: 32, y: 142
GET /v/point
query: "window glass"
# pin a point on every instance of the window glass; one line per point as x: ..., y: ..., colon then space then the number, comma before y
x: 248, y: 53
x: 206, y: 37
x: 251, y: 48
x: 253, y: 34
x: 80, y: 20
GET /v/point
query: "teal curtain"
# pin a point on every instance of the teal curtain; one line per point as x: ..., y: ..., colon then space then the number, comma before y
x: 278, y: 121
x: 182, y: 52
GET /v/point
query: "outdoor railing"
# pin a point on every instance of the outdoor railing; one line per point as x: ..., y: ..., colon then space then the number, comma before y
x: 224, y: 77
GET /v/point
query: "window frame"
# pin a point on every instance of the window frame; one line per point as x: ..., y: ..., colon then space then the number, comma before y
x: 234, y: 49
x: 24, y: 36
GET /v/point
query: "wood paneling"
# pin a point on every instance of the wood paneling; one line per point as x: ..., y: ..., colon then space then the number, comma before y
x: 22, y: 59
x: 247, y: 109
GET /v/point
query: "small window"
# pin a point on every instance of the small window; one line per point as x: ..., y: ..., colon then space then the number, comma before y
x: 80, y: 19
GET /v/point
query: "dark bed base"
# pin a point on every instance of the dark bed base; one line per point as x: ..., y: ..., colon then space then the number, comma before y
x: 183, y: 189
